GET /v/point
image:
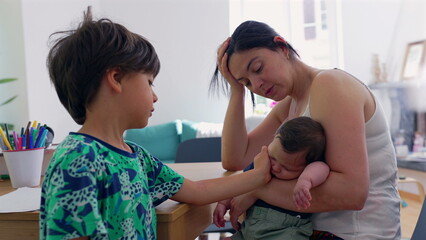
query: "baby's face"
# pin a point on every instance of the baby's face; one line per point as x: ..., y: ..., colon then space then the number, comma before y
x: 284, y: 165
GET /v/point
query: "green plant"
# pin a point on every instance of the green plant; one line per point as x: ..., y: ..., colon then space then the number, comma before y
x: 6, y: 80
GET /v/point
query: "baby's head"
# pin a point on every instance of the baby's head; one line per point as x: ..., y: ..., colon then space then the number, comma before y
x: 80, y: 58
x: 297, y: 143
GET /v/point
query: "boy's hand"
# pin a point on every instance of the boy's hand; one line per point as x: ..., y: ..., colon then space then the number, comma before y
x: 262, y: 163
x: 301, y: 194
x: 219, y: 212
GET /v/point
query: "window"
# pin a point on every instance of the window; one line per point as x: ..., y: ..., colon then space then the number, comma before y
x: 309, y: 19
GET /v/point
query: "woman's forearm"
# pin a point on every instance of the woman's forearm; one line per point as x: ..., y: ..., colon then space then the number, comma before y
x: 339, y: 192
x: 234, y: 134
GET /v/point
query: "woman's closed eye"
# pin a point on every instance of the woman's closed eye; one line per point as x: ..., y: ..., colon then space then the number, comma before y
x: 258, y: 69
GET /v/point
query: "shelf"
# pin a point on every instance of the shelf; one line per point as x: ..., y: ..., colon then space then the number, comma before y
x: 404, y: 84
x: 414, y: 165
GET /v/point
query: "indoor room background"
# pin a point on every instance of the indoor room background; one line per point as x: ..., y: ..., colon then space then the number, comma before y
x: 359, y: 36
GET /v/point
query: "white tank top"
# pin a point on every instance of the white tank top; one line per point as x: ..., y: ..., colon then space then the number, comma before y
x: 379, y: 219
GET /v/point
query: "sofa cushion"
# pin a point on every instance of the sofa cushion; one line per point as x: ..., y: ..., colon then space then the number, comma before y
x: 189, y: 130
x: 160, y: 140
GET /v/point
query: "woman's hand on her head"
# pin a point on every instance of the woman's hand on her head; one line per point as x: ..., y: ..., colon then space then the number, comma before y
x: 222, y: 64
x: 263, y: 163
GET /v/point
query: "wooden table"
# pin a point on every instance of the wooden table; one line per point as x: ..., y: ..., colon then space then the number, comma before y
x: 177, y: 221
x: 410, y: 213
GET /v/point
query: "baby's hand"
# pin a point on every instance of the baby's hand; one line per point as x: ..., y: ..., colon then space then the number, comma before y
x: 301, y: 194
x: 262, y: 163
x: 220, y: 211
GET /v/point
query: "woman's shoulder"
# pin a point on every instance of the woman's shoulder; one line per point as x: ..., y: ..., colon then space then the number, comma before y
x: 332, y: 76
x: 340, y: 90
x: 335, y: 80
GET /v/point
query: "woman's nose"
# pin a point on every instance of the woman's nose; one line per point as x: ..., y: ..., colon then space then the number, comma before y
x: 257, y: 83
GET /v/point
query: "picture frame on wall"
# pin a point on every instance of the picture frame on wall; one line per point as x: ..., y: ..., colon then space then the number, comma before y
x: 414, y: 60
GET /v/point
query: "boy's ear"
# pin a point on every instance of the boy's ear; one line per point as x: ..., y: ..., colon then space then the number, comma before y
x: 113, y: 79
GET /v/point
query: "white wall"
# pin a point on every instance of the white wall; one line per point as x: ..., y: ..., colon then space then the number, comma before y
x: 40, y: 19
x: 12, y: 63
x: 410, y: 27
x: 185, y: 34
x: 368, y: 27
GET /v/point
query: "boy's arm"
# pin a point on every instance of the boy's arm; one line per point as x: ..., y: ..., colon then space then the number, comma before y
x: 213, y: 190
x: 313, y: 175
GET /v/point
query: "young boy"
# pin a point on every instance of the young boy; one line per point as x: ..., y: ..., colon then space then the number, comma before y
x: 297, y: 152
x: 97, y: 185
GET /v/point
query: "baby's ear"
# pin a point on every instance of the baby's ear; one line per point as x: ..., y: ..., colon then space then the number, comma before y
x: 113, y: 77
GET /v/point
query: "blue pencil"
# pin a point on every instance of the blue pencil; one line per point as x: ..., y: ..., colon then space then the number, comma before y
x: 24, y: 141
x: 38, y: 138
x: 30, y: 137
x: 43, y: 138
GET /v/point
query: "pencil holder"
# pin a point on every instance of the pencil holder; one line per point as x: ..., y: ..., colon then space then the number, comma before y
x: 24, y: 166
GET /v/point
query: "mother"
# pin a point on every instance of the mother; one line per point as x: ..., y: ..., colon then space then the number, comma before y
x: 359, y: 200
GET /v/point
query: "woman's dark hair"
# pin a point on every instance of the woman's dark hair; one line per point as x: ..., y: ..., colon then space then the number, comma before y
x: 249, y: 35
x: 79, y: 59
x: 303, y: 134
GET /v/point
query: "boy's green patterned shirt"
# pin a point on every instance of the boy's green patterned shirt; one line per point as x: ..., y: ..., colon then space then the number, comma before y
x: 94, y: 189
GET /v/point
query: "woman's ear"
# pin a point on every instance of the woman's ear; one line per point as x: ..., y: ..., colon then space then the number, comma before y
x: 279, y: 39
x: 112, y: 78
x: 282, y: 44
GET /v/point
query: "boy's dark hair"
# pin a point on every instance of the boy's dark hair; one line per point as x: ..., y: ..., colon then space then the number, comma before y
x: 303, y: 134
x: 249, y: 35
x: 79, y: 59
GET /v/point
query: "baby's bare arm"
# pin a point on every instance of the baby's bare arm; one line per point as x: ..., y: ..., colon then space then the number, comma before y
x: 313, y: 175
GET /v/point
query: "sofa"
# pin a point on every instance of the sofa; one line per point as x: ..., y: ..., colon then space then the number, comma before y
x: 163, y: 140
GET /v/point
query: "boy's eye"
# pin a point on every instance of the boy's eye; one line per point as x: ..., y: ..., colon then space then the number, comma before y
x: 151, y: 83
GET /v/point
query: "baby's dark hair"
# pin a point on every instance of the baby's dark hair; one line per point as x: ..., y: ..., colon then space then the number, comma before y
x: 249, y: 35
x: 303, y: 134
x: 79, y: 59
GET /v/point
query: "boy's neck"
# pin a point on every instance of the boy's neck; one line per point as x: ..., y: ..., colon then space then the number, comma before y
x: 109, y: 133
